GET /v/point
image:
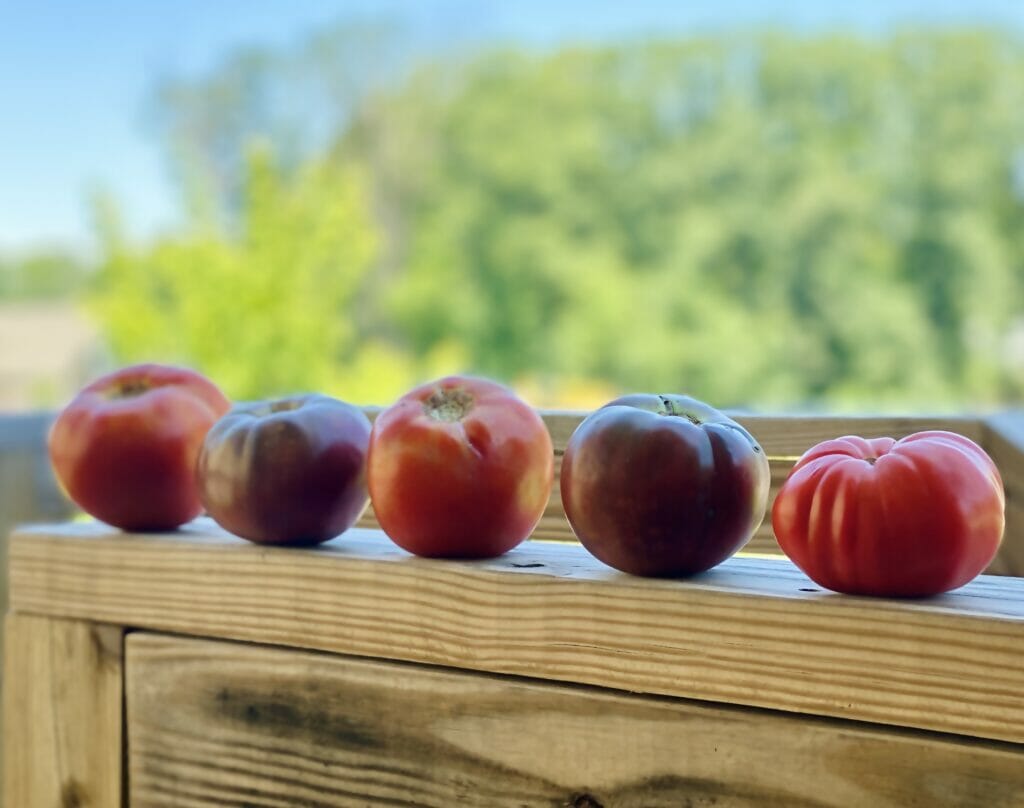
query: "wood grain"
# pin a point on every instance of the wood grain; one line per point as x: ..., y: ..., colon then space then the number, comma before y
x: 791, y: 436
x: 62, y: 714
x: 215, y: 723
x: 751, y: 632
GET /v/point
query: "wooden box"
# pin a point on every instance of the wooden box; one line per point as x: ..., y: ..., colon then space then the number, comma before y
x: 195, y: 669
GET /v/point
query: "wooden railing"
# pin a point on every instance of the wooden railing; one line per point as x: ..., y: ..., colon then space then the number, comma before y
x: 945, y: 673
x: 28, y: 492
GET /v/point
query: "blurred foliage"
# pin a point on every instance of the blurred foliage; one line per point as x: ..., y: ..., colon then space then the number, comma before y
x: 42, y: 275
x: 268, y: 309
x: 769, y: 222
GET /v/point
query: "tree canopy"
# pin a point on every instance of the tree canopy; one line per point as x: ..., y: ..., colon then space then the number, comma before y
x: 770, y: 221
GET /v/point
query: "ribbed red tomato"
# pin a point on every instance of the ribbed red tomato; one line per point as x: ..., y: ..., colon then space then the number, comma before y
x: 906, y: 518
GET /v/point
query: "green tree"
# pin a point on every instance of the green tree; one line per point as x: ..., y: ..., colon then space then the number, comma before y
x: 763, y: 222
x: 767, y: 221
x: 269, y: 309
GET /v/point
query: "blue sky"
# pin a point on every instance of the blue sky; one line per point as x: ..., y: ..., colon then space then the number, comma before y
x: 76, y: 78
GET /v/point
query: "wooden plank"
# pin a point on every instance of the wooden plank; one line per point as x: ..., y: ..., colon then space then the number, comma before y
x: 28, y: 490
x: 753, y: 632
x: 763, y: 541
x: 1004, y: 441
x: 1011, y: 552
x: 215, y: 723
x: 62, y: 713
x: 791, y: 436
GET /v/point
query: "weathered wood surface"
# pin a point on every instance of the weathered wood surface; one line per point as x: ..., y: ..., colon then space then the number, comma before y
x: 28, y: 490
x: 751, y: 632
x: 217, y: 723
x: 62, y: 714
x: 790, y: 436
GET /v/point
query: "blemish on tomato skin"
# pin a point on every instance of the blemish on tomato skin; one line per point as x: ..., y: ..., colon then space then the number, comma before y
x: 478, y: 437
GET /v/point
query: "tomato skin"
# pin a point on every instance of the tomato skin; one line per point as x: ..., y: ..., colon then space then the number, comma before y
x: 124, y: 449
x: 908, y: 518
x: 663, y: 486
x: 291, y: 471
x: 466, y: 479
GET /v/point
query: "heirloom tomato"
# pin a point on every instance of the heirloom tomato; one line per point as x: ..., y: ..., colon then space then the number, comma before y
x: 900, y: 518
x: 459, y: 468
x: 125, y: 448
x: 288, y: 471
x: 663, y: 485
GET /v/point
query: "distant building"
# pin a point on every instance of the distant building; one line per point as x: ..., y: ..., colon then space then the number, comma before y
x: 48, y: 350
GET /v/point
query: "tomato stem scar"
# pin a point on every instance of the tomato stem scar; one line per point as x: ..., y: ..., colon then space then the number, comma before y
x: 285, y: 405
x: 670, y: 408
x: 448, y: 405
x: 130, y: 389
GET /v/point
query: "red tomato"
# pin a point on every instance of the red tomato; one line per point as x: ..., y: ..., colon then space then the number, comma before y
x: 288, y: 471
x: 906, y: 518
x: 663, y: 485
x: 125, y: 448
x: 459, y: 468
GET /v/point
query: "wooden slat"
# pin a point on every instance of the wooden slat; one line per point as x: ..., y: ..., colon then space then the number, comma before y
x: 1004, y: 441
x: 1011, y: 552
x: 791, y: 436
x: 215, y: 723
x: 62, y: 713
x: 28, y: 490
x: 752, y: 632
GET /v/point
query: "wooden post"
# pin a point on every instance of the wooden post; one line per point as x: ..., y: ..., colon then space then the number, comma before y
x: 62, y: 714
x: 28, y: 490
